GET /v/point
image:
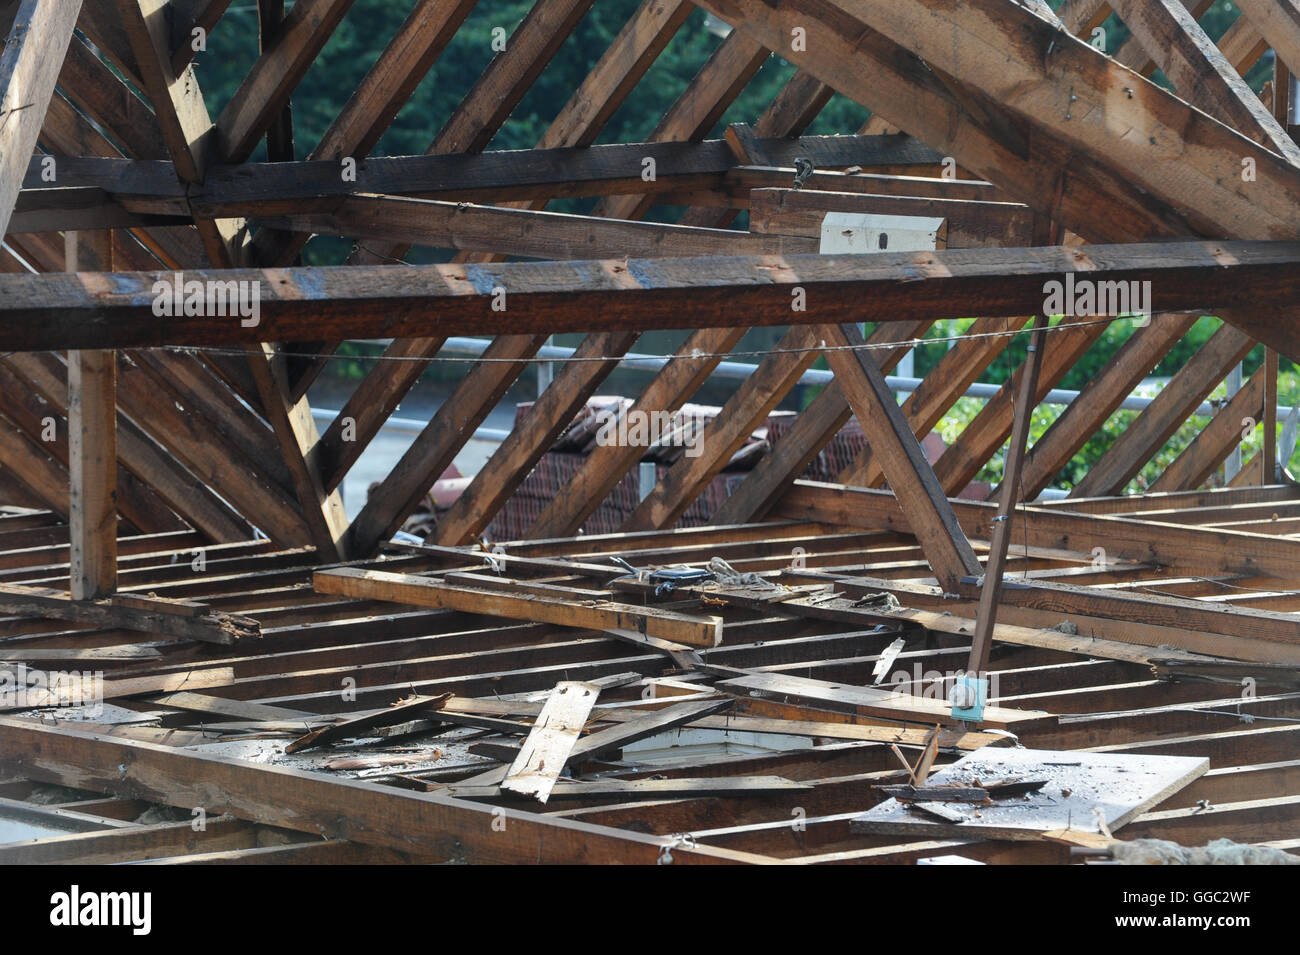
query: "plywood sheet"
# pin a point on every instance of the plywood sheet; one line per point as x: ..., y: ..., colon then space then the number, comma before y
x: 1120, y: 786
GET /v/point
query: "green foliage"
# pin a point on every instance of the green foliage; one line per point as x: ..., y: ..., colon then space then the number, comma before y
x: 370, y: 24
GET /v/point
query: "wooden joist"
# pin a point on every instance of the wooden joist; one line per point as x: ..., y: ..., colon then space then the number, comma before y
x: 45, y: 311
x: 137, y: 613
x: 690, y: 630
x: 436, y: 825
x: 29, y: 67
x: 900, y: 455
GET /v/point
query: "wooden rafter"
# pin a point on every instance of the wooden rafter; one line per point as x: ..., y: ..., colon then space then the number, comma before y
x: 29, y: 66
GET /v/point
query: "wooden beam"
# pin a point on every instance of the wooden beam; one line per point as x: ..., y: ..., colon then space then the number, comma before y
x: 745, y: 410
x: 965, y: 360
x: 374, y: 104
x: 961, y: 462
x: 694, y: 113
x: 607, y: 464
x: 314, y: 185
x: 65, y: 311
x: 1009, y: 496
x: 1175, y: 546
x: 1213, y: 443
x: 1169, y: 409
x: 900, y: 455
x: 1100, y: 396
x: 1200, y: 72
x: 92, y: 441
x: 800, y: 212
x: 524, y: 232
x: 178, y: 103
x: 1279, y: 22
x: 514, y: 459
x: 272, y: 79
x: 29, y: 67
x: 154, y: 616
x: 696, y: 631
x: 435, y: 825
x: 1001, y: 47
x: 437, y: 445
x: 295, y: 428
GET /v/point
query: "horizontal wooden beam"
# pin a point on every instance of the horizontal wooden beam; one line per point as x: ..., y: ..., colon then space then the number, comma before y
x: 96, y: 310
x: 433, y: 824
x: 691, y: 630
x: 1193, y: 549
x: 525, y: 232
x: 172, y: 618
x: 496, y: 176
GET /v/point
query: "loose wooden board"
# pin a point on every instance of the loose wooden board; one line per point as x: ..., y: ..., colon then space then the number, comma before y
x: 1121, y: 786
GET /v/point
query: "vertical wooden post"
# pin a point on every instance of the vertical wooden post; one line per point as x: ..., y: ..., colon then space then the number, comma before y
x: 92, y: 440
x: 1046, y: 231
x: 1269, y: 473
x: 1268, y: 452
x: 997, y: 558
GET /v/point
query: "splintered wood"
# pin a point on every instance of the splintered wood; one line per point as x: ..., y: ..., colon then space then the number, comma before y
x: 549, y: 745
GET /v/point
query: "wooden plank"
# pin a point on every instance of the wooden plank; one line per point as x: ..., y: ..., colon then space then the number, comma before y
x: 435, y: 825
x: 522, y: 232
x: 1190, y: 386
x: 901, y: 458
x: 272, y: 79
x: 514, y: 459
x: 1215, y: 441
x: 691, y: 630
x: 92, y: 441
x: 437, y: 445
x: 49, y: 311
x: 868, y: 701
x: 653, y: 788
x: 544, y: 753
x: 1008, y: 497
x: 212, y: 627
x: 1200, y: 72
x: 1099, y: 398
x: 800, y: 212
x: 29, y: 67
x: 130, y: 845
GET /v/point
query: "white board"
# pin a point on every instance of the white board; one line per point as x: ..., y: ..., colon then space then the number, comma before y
x: 1120, y: 785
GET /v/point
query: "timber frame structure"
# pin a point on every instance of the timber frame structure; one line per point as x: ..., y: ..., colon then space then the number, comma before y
x: 170, y: 514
